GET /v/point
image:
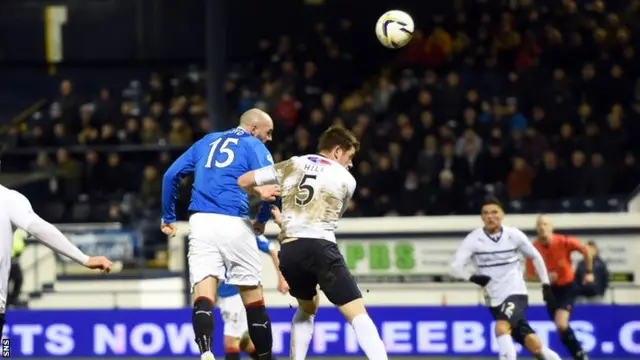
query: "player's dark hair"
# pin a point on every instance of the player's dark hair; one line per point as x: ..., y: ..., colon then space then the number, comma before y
x: 340, y: 137
x: 492, y: 201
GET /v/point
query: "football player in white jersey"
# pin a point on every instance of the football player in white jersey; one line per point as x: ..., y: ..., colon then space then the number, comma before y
x: 494, y: 251
x: 315, y: 191
x: 16, y: 211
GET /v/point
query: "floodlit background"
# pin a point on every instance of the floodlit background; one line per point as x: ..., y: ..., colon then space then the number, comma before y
x: 536, y: 103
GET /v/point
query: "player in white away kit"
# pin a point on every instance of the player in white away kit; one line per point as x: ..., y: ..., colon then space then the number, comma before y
x: 315, y: 191
x: 16, y: 211
x: 494, y: 250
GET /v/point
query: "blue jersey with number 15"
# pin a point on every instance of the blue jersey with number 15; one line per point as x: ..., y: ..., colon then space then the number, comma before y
x: 217, y: 161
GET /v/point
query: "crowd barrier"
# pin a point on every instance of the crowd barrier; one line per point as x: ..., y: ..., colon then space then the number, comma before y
x: 606, y: 332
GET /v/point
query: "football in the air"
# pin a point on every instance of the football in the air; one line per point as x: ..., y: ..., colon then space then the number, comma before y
x: 394, y: 29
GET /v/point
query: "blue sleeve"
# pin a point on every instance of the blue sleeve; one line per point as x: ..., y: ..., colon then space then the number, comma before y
x: 180, y: 168
x: 263, y: 244
x: 261, y: 159
x: 264, y: 214
x: 259, y: 156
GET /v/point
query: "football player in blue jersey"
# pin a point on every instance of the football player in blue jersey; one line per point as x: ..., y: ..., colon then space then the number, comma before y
x: 229, y: 302
x: 222, y: 243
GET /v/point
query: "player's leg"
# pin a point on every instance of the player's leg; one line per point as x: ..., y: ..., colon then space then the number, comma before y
x: 235, y: 325
x: 565, y: 299
x: 244, y: 270
x: 246, y: 345
x: 231, y: 348
x: 509, y: 316
x: 522, y: 332
x: 206, y: 267
x: 341, y: 289
x: 295, y: 259
x: 533, y: 344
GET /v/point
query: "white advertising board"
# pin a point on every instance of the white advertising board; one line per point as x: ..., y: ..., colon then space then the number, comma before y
x: 419, y: 249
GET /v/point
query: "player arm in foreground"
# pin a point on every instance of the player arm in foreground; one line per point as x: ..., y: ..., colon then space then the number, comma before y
x: 266, y: 247
x: 23, y: 217
x: 460, y: 260
x: 533, y: 254
x: 263, y: 181
x: 183, y: 166
x: 576, y: 245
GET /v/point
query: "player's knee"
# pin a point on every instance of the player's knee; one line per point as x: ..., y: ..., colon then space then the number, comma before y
x: 203, y: 313
x: 231, y: 344
x: 533, y: 344
x: 561, y: 321
x: 250, y: 294
x: 352, y: 309
x: 206, y: 287
x: 309, y: 306
x: 502, y: 328
x: 561, y: 325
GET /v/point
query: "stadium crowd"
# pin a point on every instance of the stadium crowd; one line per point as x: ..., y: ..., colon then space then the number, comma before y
x: 526, y: 102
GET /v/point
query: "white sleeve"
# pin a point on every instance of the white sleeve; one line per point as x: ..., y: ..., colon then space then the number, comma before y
x: 23, y: 217
x: 461, y: 258
x: 266, y: 176
x: 351, y: 188
x: 531, y: 252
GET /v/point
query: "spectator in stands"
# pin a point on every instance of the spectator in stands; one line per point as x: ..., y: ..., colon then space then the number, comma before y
x: 151, y: 187
x: 593, y: 293
x: 70, y: 175
x: 506, y: 94
x: 520, y: 179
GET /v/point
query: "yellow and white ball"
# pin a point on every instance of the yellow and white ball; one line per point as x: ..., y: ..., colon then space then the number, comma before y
x: 394, y: 29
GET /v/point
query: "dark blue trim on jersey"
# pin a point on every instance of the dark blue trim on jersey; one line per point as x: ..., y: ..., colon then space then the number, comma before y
x: 495, y: 252
x: 492, y: 238
x: 499, y: 264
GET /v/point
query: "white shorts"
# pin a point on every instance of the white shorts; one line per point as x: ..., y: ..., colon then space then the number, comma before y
x: 224, y: 247
x: 234, y: 316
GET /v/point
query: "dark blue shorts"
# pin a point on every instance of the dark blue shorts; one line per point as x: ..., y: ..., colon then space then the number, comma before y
x: 565, y: 296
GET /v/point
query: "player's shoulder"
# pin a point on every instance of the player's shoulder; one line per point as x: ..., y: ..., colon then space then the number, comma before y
x: 475, y: 235
x: 10, y: 194
x: 513, y: 231
x: 13, y: 197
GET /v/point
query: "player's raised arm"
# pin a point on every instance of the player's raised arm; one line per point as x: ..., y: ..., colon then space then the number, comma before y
x: 530, y: 271
x: 266, y: 247
x: 22, y: 216
x: 576, y: 245
x: 351, y: 188
x: 460, y: 260
x: 263, y: 181
x: 183, y: 166
x: 532, y: 253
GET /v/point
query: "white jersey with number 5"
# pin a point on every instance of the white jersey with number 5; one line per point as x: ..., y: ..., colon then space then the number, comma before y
x: 315, y: 192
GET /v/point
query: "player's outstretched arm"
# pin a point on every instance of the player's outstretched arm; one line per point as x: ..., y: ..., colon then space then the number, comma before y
x: 180, y: 168
x: 576, y: 245
x: 262, y: 182
x: 460, y: 260
x: 23, y: 217
x: 532, y: 253
x: 266, y: 247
